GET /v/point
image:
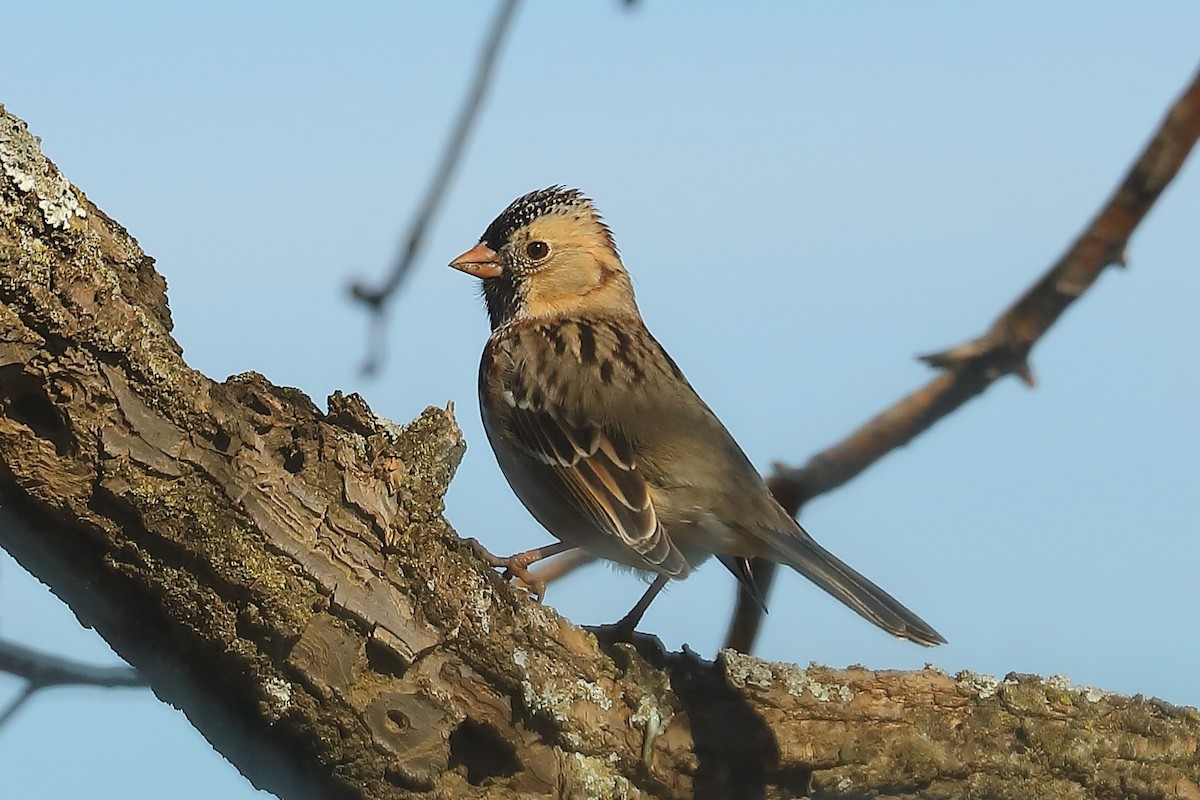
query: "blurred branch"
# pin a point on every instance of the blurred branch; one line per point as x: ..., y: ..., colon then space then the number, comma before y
x: 969, y: 368
x: 375, y: 298
x: 44, y: 670
x: 17, y: 703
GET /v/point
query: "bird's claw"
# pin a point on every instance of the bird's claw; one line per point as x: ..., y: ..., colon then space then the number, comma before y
x: 514, y: 567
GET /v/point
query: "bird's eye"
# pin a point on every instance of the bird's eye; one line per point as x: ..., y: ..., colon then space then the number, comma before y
x: 537, y: 250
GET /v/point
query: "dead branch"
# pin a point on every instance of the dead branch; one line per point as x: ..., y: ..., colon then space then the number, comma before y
x: 970, y: 368
x: 376, y: 298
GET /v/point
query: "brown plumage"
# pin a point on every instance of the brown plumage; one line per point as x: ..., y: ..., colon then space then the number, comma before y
x: 601, y: 436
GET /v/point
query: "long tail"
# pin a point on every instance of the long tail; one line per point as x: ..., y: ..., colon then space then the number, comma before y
x: 836, y: 577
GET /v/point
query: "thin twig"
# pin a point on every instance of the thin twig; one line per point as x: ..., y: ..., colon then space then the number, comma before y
x: 970, y: 368
x: 376, y: 297
x: 44, y: 670
x: 20, y: 700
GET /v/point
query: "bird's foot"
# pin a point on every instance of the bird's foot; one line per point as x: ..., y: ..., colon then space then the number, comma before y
x: 625, y: 629
x: 649, y: 646
x: 517, y: 566
x: 613, y: 633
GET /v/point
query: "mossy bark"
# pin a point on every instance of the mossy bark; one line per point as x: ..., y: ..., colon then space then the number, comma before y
x: 285, y: 576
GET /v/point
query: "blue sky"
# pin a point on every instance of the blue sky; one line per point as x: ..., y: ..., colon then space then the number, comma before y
x: 806, y: 195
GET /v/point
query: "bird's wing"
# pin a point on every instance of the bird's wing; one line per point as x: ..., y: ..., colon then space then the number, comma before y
x: 599, y: 473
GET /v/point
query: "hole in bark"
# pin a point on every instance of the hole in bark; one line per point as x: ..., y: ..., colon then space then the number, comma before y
x: 398, y: 719
x: 796, y: 782
x: 221, y: 441
x: 293, y: 459
x: 25, y: 401
x: 483, y: 752
x: 258, y: 405
x: 386, y: 660
x: 56, y: 345
x: 1022, y: 739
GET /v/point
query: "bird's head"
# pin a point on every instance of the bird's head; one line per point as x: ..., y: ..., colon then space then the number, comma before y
x: 548, y: 253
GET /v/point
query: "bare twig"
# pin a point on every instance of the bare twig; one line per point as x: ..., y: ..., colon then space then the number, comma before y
x: 44, y: 670
x: 969, y: 368
x: 376, y: 297
x: 17, y: 703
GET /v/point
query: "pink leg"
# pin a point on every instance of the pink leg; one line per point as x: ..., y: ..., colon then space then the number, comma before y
x: 517, y: 566
x: 562, y: 566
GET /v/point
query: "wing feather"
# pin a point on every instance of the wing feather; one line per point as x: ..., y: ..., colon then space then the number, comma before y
x: 601, y: 479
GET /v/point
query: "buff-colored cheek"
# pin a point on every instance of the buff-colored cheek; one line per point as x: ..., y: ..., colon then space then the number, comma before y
x: 565, y: 284
x: 553, y: 293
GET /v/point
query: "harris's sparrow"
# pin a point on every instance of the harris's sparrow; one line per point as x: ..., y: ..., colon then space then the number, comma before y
x: 600, y: 435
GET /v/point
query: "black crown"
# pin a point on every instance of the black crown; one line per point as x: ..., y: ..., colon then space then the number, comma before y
x: 527, y: 208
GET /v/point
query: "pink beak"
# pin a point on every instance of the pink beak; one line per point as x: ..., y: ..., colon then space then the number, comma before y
x: 480, y: 261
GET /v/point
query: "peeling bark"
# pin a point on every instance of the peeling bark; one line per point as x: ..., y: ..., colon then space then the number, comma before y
x: 285, y: 576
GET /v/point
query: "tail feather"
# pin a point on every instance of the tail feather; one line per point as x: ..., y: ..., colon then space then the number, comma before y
x: 836, y: 577
x: 740, y: 567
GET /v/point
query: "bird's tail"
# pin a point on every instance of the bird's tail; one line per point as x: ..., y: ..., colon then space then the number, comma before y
x: 836, y: 577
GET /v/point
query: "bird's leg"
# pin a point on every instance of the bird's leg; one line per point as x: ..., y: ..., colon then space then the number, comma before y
x: 517, y: 566
x: 622, y: 631
x: 563, y: 565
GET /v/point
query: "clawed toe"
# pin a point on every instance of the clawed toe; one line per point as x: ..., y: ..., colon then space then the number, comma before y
x: 517, y: 566
x: 527, y: 581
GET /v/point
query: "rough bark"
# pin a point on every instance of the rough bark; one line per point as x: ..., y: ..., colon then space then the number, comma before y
x: 285, y: 577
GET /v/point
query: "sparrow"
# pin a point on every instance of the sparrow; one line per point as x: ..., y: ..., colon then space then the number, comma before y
x: 601, y: 436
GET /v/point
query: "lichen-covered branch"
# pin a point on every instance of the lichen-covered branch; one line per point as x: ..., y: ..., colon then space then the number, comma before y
x: 285, y: 576
x: 970, y: 368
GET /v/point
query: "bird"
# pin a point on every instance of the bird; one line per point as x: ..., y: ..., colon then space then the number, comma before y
x: 604, y: 440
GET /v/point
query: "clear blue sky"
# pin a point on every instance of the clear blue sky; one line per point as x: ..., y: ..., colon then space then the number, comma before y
x: 806, y: 195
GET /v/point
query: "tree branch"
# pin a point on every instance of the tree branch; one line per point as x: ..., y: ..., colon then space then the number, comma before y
x: 24, y: 696
x: 44, y: 671
x: 285, y: 576
x: 970, y: 368
x: 376, y: 298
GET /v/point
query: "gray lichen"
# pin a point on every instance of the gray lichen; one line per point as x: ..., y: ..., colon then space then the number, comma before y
x: 1060, y: 686
x: 977, y: 684
x: 591, y: 778
x: 798, y: 680
x: 743, y: 670
x: 1089, y: 693
x: 278, y: 693
x: 555, y: 699
x: 22, y: 160
x: 478, y: 603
